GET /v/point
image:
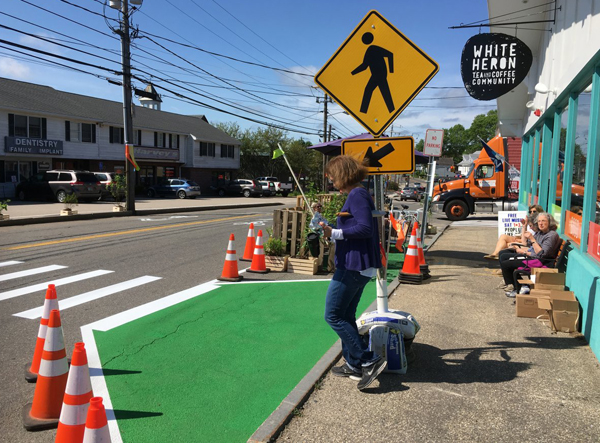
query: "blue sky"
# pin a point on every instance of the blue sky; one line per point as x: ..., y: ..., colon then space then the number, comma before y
x: 295, y: 36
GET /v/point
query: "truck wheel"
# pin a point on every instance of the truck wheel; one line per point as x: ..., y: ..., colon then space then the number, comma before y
x: 284, y: 193
x: 221, y: 192
x: 457, y: 210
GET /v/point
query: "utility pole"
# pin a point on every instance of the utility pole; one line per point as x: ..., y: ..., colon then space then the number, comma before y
x: 326, y: 99
x: 127, y: 118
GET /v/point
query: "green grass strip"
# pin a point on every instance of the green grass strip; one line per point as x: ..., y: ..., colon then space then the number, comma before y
x: 213, y: 368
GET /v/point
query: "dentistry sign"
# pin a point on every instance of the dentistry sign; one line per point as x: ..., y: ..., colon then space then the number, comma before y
x: 494, y: 64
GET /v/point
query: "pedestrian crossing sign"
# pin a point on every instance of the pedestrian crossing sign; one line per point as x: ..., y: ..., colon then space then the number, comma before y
x: 376, y: 73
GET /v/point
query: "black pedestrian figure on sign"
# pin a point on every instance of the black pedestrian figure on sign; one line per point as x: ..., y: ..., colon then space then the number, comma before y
x: 375, y: 60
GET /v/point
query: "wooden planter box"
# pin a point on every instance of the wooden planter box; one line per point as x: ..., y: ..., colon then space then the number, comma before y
x: 4, y: 216
x: 303, y: 265
x: 118, y: 208
x: 68, y: 212
x: 277, y: 264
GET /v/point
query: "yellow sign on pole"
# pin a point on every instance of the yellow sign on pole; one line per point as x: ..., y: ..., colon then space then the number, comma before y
x: 376, y: 73
x: 386, y: 155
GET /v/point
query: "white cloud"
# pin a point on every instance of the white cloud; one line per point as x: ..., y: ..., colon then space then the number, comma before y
x: 11, y: 68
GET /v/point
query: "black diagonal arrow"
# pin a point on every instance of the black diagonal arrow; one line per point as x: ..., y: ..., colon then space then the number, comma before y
x: 375, y: 157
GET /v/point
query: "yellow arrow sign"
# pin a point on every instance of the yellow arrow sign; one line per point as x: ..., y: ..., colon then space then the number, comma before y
x: 376, y: 73
x: 387, y: 155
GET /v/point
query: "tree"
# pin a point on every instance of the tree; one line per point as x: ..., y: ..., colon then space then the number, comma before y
x: 304, y: 162
x: 483, y: 126
x: 456, y: 140
x: 420, y: 145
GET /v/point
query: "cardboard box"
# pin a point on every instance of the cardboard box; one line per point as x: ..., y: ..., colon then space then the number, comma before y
x: 563, y: 310
x: 527, y: 305
x: 547, y: 279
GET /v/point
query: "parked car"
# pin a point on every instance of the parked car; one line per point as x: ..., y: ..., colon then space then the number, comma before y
x: 410, y: 193
x: 268, y: 187
x: 243, y: 186
x: 422, y: 189
x: 105, y: 179
x: 58, y: 183
x: 176, y: 187
x: 280, y: 188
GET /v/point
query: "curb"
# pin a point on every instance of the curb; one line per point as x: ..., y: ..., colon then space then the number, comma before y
x: 101, y: 215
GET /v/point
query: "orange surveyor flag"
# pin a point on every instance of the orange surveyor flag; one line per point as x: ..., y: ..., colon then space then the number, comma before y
x: 395, y: 224
x: 129, y: 155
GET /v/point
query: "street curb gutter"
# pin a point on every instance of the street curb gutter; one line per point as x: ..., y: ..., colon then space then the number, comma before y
x: 101, y: 215
x: 275, y: 423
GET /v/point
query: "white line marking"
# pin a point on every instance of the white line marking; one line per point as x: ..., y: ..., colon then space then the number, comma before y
x: 31, y: 272
x: 279, y: 281
x: 10, y: 263
x: 61, y: 281
x: 90, y: 296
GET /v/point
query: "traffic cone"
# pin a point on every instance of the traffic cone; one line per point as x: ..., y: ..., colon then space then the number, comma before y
x: 44, y: 411
x: 50, y: 303
x: 78, y: 393
x: 423, y: 266
x: 410, y: 270
x: 230, y: 268
x: 250, y: 244
x: 258, y: 258
x: 96, y: 424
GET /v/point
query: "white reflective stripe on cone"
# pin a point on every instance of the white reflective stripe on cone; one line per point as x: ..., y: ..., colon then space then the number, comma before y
x: 54, y: 340
x: 42, y: 331
x: 73, y: 415
x: 53, y: 368
x: 230, y: 257
x: 78, y: 382
x: 96, y: 435
x: 49, y: 304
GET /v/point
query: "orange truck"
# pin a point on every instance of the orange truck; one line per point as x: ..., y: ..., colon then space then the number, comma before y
x: 483, y: 190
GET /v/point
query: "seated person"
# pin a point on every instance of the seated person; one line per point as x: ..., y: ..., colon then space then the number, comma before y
x: 504, y: 240
x: 578, y: 210
x: 545, y: 244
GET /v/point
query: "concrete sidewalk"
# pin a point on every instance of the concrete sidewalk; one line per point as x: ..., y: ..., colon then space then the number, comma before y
x: 481, y: 373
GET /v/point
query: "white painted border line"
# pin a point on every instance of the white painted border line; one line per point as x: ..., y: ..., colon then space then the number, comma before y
x: 29, y: 272
x: 61, y: 281
x: 270, y: 281
x: 10, y: 263
x: 90, y: 296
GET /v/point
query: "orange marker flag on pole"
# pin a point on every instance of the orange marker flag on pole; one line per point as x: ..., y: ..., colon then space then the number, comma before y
x: 129, y: 155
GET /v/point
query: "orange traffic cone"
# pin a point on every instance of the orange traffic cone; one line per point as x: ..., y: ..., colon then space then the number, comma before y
x: 71, y: 423
x: 44, y: 412
x: 423, y: 266
x: 96, y: 424
x: 230, y: 268
x: 258, y: 258
x: 250, y: 244
x: 51, y: 302
x: 410, y: 270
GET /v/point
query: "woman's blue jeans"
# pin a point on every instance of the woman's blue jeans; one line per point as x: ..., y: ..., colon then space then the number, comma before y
x: 343, y: 295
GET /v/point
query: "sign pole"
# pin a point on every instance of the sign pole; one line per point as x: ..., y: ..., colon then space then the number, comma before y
x: 426, y: 204
x: 382, y: 300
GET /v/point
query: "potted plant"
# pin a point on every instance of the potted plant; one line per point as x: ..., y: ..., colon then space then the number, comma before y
x: 4, y: 207
x: 117, y: 188
x: 70, y: 201
x: 275, y: 257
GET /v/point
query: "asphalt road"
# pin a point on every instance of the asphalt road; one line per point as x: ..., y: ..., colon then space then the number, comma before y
x: 156, y: 255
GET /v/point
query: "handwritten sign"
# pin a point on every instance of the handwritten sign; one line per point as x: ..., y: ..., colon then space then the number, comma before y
x: 509, y: 222
x: 573, y: 226
x: 593, y: 248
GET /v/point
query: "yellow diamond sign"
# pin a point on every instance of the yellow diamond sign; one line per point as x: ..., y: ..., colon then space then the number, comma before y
x: 385, y: 155
x: 376, y: 73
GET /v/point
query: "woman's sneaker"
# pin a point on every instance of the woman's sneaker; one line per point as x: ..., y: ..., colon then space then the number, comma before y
x: 511, y: 294
x: 524, y: 289
x: 346, y: 371
x: 370, y: 372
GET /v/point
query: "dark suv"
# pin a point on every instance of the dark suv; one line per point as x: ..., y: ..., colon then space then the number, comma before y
x: 245, y: 187
x: 57, y: 184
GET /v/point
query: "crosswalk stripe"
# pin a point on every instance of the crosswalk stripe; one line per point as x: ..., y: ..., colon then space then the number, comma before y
x: 10, y: 263
x: 29, y: 272
x: 61, y: 281
x: 89, y: 296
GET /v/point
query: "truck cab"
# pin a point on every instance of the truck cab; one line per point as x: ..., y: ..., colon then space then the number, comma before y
x: 484, y: 189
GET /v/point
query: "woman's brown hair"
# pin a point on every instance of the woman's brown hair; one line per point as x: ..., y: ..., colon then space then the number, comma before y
x: 345, y: 171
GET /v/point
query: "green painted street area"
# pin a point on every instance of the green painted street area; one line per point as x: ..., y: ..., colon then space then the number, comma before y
x: 214, y: 367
